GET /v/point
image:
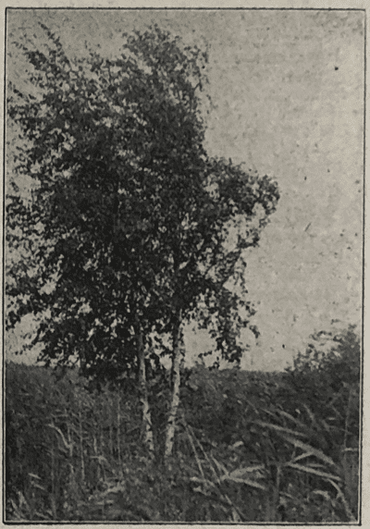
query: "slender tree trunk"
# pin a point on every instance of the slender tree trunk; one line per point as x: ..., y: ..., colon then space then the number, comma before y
x: 147, y: 431
x: 175, y: 394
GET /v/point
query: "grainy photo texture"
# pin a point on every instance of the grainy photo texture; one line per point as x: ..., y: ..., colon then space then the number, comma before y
x: 184, y: 240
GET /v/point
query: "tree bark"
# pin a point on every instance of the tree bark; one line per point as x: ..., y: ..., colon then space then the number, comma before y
x: 175, y: 393
x: 147, y: 430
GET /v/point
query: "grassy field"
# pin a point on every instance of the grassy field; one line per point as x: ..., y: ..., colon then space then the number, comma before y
x: 250, y: 446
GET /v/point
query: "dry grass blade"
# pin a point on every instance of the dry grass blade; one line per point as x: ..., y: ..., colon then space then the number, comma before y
x: 236, y: 514
x: 216, y: 485
x: 293, y: 419
x: 221, y: 468
x: 323, y: 493
x: 203, y: 481
x: 241, y: 472
x: 236, y: 517
x: 345, y: 504
x: 189, y: 433
x: 313, y: 451
x: 17, y: 512
x: 310, y: 414
x: 318, y: 424
x: 299, y: 458
x: 65, y: 442
x: 207, y: 458
x: 245, y: 481
x: 278, y: 429
x: 310, y: 470
x: 243, y: 475
x: 34, y: 476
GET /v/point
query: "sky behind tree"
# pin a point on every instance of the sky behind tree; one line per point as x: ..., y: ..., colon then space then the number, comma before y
x: 287, y: 91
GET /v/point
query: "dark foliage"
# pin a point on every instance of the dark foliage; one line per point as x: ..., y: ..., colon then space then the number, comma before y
x: 129, y: 220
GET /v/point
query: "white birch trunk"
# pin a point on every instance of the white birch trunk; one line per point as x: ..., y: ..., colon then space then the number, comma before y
x: 175, y: 394
x: 147, y: 430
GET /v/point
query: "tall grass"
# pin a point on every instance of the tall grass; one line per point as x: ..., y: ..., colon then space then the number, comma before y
x: 250, y: 447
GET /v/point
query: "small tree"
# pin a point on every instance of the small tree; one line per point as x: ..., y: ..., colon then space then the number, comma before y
x: 132, y: 228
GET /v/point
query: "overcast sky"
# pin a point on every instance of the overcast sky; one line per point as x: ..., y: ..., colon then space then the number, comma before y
x: 287, y: 88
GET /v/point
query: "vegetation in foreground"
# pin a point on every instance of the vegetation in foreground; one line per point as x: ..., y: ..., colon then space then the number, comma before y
x: 249, y: 446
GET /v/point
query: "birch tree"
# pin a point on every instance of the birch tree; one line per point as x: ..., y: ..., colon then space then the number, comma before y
x: 132, y: 229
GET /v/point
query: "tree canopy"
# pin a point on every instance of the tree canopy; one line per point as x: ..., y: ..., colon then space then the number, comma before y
x: 132, y: 228
x: 132, y: 218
